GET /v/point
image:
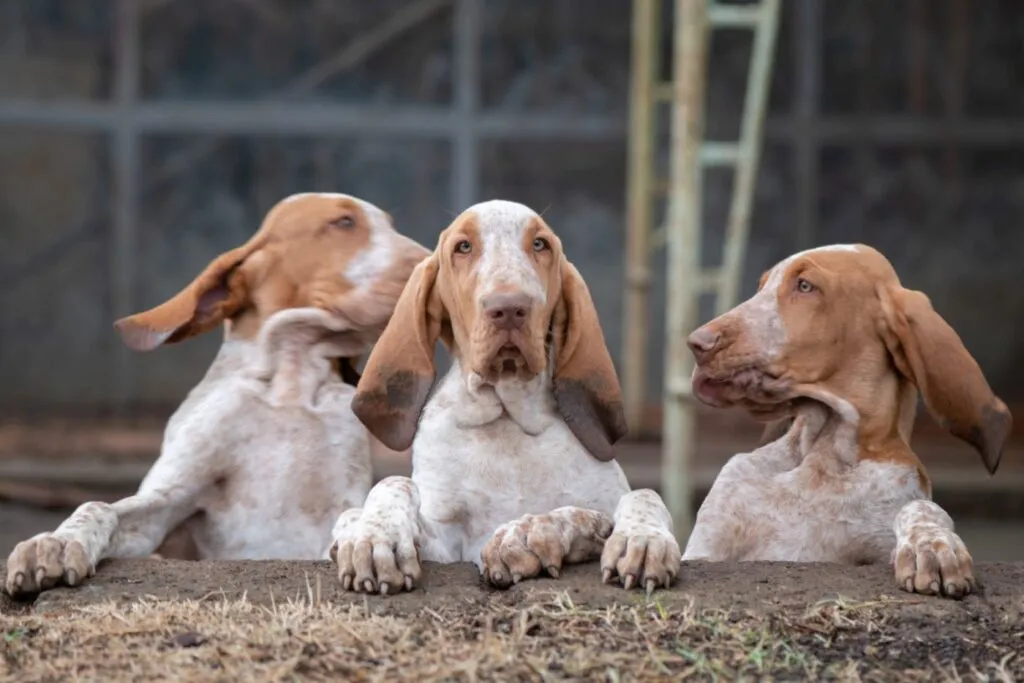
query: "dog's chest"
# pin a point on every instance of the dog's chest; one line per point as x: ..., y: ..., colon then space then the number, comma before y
x: 801, y: 514
x: 480, y: 478
x: 291, y: 472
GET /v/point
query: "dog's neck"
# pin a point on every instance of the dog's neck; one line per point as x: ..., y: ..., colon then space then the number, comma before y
x: 293, y: 354
x: 846, y: 428
x: 529, y: 403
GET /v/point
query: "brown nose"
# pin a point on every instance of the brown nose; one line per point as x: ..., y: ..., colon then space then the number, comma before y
x: 703, y: 342
x: 507, y: 311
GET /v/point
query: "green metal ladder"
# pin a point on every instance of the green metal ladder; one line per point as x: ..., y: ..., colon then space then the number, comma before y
x: 689, y: 155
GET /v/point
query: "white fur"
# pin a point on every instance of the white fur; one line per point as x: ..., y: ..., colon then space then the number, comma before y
x: 809, y: 496
x: 503, y: 263
x: 497, y: 474
x: 368, y: 265
x: 795, y: 500
x: 265, y: 447
x: 485, y: 456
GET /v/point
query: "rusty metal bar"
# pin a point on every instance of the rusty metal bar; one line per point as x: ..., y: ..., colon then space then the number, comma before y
x: 639, y: 196
x: 755, y: 102
x: 465, y: 156
x: 805, y: 147
x: 125, y: 203
x: 689, y: 75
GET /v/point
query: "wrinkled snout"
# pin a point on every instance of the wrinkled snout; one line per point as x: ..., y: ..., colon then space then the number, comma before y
x: 507, y: 311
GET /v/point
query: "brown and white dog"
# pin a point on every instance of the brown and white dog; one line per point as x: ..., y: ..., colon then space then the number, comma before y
x: 264, y: 454
x: 513, y: 458
x: 833, y: 345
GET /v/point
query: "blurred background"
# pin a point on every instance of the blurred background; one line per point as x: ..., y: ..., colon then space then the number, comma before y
x: 141, y: 138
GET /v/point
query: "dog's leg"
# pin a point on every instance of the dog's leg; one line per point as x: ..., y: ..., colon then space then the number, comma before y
x: 376, y: 547
x: 131, y: 527
x: 642, y: 549
x: 523, y: 548
x: 929, y: 557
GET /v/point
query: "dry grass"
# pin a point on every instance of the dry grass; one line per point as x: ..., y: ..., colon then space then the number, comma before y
x: 549, y: 639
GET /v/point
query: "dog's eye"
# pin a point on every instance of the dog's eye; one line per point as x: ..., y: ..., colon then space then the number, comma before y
x: 540, y: 244
x: 345, y: 221
x: 804, y: 287
x: 463, y: 247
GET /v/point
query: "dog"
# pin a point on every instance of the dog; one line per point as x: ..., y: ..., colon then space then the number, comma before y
x: 265, y: 453
x: 832, y: 351
x: 513, y: 452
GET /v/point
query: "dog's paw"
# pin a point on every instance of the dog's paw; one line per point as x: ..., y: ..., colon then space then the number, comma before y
x: 543, y: 543
x: 642, y: 550
x: 929, y: 557
x: 45, y: 561
x: 377, y: 556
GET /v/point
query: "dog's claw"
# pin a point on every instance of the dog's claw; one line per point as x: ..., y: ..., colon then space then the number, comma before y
x: 628, y: 581
x: 606, y: 576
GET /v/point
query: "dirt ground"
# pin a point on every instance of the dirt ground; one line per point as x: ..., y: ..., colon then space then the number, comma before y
x: 225, y: 621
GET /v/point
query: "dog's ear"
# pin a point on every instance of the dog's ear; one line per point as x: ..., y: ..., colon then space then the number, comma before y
x: 400, y: 370
x: 217, y: 293
x: 929, y: 353
x: 585, y: 384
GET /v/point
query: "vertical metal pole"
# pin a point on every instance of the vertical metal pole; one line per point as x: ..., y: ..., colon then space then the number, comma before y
x: 689, y: 74
x: 465, y: 180
x: 755, y: 101
x: 126, y: 189
x: 640, y: 179
x: 806, y: 152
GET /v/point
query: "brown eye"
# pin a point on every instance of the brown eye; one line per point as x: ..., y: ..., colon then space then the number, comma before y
x: 344, y: 222
x: 540, y: 244
x: 463, y: 247
x: 804, y: 287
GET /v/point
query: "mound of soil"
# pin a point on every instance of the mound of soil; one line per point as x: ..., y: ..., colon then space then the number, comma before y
x: 290, y: 620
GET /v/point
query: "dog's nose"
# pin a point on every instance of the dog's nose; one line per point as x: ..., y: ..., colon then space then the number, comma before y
x: 507, y: 311
x: 702, y: 342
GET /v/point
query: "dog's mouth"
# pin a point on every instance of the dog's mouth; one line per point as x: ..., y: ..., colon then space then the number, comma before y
x: 754, y: 388
x: 511, y: 357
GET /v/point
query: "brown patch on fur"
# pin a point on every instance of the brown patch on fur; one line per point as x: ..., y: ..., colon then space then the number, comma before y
x: 400, y: 370
x: 297, y: 258
x: 440, y: 301
x: 860, y: 336
x: 929, y: 353
x: 585, y: 384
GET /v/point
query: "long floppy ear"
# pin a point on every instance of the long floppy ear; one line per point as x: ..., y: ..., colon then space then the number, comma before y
x: 585, y: 384
x: 928, y: 352
x: 217, y: 293
x: 400, y: 370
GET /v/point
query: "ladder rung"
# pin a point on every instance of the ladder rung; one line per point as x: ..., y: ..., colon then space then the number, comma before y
x: 719, y: 153
x: 734, y: 16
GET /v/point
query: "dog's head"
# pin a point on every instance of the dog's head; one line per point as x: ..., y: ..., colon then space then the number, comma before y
x: 834, y: 324
x: 500, y: 293
x: 331, y: 252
